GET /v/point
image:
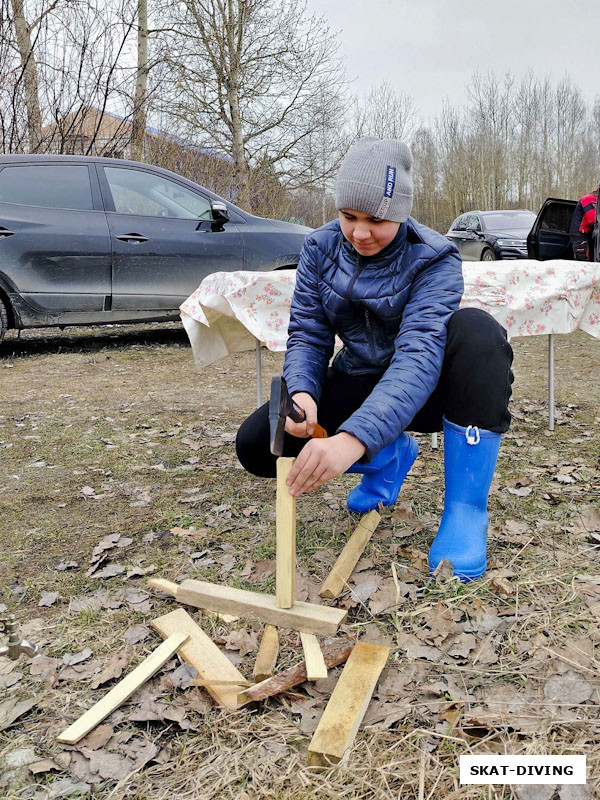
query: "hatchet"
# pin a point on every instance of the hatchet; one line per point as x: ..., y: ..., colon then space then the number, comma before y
x: 281, y: 406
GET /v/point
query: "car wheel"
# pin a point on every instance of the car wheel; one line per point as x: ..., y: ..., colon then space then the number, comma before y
x: 3, y: 320
x: 488, y: 255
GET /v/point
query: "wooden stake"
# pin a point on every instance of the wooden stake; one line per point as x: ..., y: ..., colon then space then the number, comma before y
x: 348, y: 558
x: 308, y: 617
x: 163, y: 586
x: 285, y: 517
x: 123, y: 690
x: 347, y: 705
x: 333, y: 654
x: 215, y: 671
x: 315, y: 664
x: 267, y: 654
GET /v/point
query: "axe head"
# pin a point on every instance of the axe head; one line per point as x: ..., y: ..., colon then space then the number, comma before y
x: 277, y: 413
x: 281, y: 406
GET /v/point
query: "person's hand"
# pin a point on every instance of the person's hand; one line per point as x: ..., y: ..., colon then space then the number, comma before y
x: 323, y: 459
x: 303, y: 429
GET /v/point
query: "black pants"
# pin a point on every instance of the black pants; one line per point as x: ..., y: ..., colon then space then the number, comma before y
x: 474, y: 389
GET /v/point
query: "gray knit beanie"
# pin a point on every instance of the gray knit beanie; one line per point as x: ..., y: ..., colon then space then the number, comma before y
x: 375, y: 178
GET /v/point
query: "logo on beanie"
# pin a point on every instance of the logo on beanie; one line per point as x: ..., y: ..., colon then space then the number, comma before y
x: 390, y: 181
x: 388, y: 192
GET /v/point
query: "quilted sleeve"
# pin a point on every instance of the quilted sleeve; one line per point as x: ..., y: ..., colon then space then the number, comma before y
x: 310, y: 336
x: 415, y: 367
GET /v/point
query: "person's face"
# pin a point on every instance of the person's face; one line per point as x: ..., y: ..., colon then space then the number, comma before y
x: 368, y: 235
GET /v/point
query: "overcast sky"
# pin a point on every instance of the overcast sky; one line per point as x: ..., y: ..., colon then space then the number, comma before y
x: 430, y: 48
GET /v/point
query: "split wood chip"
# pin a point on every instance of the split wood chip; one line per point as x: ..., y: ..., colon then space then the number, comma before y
x: 323, y: 620
x: 266, y: 658
x: 202, y: 653
x: 315, y: 663
x: 347, y: 706
x: 348, y: 558
x: 123, y: 690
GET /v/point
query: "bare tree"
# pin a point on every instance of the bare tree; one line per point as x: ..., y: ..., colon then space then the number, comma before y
x: 247, y: 78
x: 23, y: 30
x: 66, y: 70
x: 427, y: 197
x: 489, y: 116
x: 385, y: 113
x: 512, y: 145
x: 140, y: 108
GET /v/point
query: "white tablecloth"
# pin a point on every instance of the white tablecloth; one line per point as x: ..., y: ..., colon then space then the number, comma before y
x: 231, y: 310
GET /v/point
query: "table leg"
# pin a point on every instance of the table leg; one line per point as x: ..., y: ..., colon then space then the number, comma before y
x: 434, y: 441
x: 259, y: 400
x: 551, y: 382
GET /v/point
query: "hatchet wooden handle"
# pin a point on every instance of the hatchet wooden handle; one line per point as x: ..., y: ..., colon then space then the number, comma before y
x: 298, y: 414
x: 319, y: 432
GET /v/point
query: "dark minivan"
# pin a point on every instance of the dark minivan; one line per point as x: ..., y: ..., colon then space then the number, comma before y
x: 89, y: 240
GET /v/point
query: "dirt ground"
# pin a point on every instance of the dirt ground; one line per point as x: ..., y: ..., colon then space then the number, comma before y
x: 118, y: 463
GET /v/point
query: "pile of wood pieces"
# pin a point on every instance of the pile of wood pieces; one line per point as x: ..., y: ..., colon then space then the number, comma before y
x: 335, y: 733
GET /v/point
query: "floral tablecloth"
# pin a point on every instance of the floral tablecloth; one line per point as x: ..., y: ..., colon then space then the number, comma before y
x: 231, y: 310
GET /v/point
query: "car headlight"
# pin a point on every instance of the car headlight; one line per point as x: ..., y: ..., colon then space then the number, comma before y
x: 511, y: 242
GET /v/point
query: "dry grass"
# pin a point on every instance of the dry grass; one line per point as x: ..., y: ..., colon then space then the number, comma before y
x: 122, y: 412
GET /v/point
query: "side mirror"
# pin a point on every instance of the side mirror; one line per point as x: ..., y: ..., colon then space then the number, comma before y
x: 472, y: 229
x: 220, y: 214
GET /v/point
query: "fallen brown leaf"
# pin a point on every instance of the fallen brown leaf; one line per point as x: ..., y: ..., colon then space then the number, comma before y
x: 69, y: 659
x: 243, y: 641
x: 135, y: 634
x: 48, y: 598
x: 11, y: 710
x: 567, y: 690
x: 97, y: 738
x: 113, y: 668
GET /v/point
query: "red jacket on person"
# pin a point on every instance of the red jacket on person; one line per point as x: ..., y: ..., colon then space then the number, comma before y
x: 588, y: 204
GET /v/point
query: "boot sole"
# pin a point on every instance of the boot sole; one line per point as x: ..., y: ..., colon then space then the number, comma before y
x: 466, y: 577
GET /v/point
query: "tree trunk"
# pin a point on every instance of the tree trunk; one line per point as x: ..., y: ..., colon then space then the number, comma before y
x: 141, y: 85
x: 237, y: 144
x: 29, y: 72
x: 234, y: 24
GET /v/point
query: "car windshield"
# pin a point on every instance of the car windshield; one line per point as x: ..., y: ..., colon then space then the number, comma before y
x: 506, y: 220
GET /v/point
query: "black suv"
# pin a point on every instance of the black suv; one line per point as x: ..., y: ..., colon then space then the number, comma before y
x: 488, y: 235
x: 88, y: 240
x: 549, y: 237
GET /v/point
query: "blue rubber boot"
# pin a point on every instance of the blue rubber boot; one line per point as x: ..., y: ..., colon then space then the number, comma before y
x: 384, y: 475
x: 470, y: 456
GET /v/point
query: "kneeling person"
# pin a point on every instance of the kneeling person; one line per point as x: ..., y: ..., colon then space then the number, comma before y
x: 390, y: 288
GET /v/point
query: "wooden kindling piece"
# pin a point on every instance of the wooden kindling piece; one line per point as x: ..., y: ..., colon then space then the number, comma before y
x: 315, y: 664
x: 333, y: 654
x: 123, y: 690
x: 266, y: 658
x: 323, y: 620
x: 285, y: 520
x: 221, y: 679
x: 334, y: 584
x: 337, y: 728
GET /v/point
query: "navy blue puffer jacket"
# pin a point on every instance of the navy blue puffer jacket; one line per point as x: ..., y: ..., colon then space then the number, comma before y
x: 390, y: 311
